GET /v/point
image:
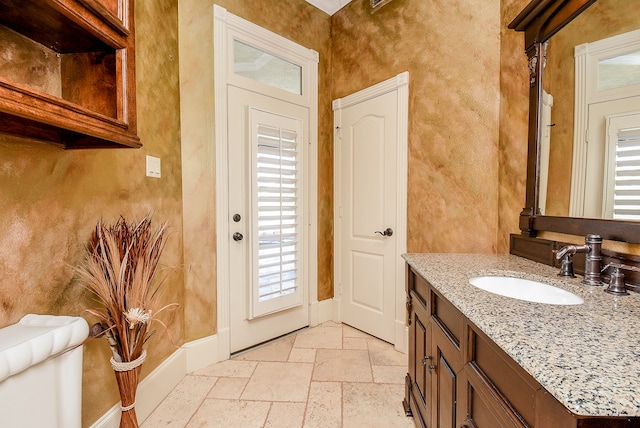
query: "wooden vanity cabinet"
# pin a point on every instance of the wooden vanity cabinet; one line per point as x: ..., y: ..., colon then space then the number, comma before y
x: 418, y: 397
x: 435, y: 357
x: 458, y: 377
x: 67, y: 72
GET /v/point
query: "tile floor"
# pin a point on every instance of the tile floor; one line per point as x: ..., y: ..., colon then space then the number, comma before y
x: 327, y: 376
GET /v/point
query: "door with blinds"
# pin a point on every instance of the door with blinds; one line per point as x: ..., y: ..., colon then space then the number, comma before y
x: 267, y: 155
x: 621, y: 199
x: 601, y: 154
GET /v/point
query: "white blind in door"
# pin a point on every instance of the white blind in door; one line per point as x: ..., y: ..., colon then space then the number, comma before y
x: 277, y: 211
x: 626, y: 195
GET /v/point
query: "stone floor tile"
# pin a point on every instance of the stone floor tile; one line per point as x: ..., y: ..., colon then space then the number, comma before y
x: 178, y: 407
x: 320, y: 337
x: 373, y: 405
x: 349, y: 331
x: 388, y: 374
x: 342, y: 365
x: 354, y: 343
x: 302, y: 355
x: 275, y: 381
x: 278, y: 350
x: 286, y: 415
x: 230, y: 413
x: 229, y: 388
x: 384, y: 354
x: 324, y: 407
x: 229, y: 368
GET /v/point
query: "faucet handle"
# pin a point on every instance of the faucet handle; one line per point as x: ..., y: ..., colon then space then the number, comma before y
x: 566, y: 265
x: 616, y: 283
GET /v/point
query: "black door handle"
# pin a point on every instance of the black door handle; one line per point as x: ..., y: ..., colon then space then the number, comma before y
x: 237, y: 236
x: 387, y: 232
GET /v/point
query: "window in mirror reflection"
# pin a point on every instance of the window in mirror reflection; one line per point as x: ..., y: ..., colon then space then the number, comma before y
x: 619, y: 71
x: 263, y: 67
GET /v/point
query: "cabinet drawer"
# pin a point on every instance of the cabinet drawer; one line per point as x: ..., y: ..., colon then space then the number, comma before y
x: 502, y: 374
x: 447, y: 317
x: 419, y: 286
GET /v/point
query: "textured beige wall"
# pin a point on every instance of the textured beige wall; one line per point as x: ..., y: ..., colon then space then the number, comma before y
x: 603, y: 19
x: 51, y: 199
x: 514, y: 123
x: 451, y: 49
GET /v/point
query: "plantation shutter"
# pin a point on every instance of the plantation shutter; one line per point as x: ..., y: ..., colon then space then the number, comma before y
x: 276, y: 204
x: 626, y: 196
x: 623, y: 175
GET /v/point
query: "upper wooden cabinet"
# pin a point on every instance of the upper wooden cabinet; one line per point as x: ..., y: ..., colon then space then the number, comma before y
x: 67, y: 72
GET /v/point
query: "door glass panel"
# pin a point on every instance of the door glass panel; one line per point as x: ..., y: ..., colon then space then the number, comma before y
x: 619, y: 71
x: 259, y: 65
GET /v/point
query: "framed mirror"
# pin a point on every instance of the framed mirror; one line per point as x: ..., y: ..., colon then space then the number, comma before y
x: 568, y: 191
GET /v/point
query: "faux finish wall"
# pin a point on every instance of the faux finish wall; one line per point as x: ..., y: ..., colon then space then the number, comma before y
x: 514, y: 123
x: 51, y: 199
x: 451, y: 49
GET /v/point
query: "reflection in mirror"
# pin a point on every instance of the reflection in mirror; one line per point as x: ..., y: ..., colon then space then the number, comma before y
x: 619, y: 71
x: 605, y: 73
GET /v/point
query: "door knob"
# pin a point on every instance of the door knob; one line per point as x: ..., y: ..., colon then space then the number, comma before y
x: 387, y: 232
x: 237, y: 236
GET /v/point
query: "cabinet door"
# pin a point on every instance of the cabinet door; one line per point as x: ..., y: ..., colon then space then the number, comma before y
x: 420, y: 360
x: 483, y: 407
x: 446, y: 366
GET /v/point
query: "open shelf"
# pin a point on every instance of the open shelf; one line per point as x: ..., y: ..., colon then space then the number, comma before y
x: 67, y: 74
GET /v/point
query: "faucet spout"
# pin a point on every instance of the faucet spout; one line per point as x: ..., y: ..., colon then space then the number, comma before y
x: 592, y: 260
x: 571, y: 250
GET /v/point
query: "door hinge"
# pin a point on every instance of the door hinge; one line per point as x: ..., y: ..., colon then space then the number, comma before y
x: 339, y: 131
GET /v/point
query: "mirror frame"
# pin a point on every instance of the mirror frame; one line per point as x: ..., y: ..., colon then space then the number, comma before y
x: 539, y: 21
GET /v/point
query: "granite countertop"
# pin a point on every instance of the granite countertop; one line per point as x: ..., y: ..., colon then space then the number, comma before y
x: 587, y: 356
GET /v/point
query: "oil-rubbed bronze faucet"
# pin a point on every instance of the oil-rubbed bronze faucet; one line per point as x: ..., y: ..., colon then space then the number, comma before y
x: 616, y: 282
x: 592, y: 260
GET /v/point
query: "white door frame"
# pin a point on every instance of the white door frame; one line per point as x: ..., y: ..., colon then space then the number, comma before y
x: 587, y: 57
x: 399, y: 83
x: 226, y: 27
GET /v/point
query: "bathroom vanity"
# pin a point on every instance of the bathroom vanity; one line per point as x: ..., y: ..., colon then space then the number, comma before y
x: 478, y: 359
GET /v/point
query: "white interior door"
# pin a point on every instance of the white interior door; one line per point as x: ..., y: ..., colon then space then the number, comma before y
x: 368, y: 214
x: 267, y: 232
x: 597, y: 148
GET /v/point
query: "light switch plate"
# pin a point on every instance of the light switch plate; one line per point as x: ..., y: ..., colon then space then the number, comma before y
x: 153, y: 166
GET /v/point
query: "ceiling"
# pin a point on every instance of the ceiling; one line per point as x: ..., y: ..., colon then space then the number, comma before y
x: 329, y: 6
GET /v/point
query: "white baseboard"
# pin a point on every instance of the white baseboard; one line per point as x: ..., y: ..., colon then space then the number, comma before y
x: 161, y: 381
x: 321, y: 312
x: 402, y: 337
x: 202, y: 353
x: 337, y: 309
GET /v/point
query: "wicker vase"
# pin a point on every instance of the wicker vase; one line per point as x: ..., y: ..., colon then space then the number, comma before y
x: 128, y: 376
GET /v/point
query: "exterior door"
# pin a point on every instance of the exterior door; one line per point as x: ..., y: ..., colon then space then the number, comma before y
x: 267, y: 232
x: 597, y: 149
x: 368, y: 214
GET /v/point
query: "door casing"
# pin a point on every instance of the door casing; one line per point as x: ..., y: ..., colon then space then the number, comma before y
x: 228, y: 27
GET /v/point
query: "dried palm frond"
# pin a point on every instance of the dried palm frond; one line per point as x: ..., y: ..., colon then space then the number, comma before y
x: 120, y: 270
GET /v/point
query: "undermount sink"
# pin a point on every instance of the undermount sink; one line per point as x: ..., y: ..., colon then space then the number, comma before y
x: 526, y: 289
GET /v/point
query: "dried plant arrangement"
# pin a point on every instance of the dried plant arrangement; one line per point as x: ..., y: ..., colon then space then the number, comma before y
x: 120, y: 270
